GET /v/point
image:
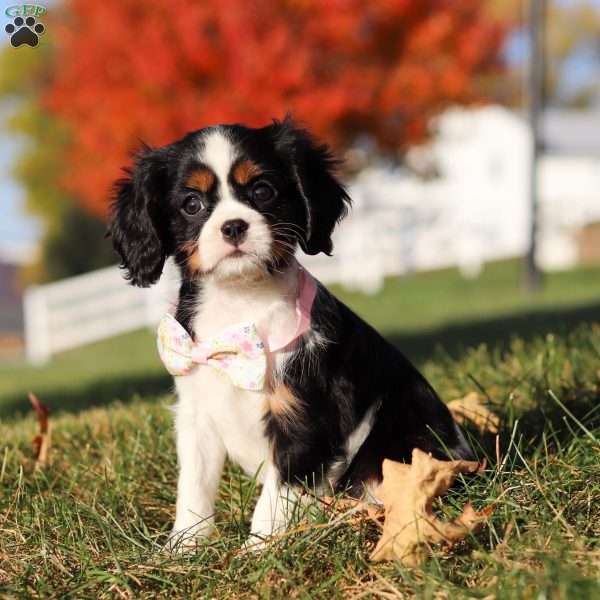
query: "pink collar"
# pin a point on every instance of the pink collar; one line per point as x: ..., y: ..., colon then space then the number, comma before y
x: 307, y: 290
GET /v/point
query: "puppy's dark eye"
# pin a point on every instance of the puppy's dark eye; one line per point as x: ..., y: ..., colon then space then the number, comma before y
x: 192, y: 205
x: 262, y: 192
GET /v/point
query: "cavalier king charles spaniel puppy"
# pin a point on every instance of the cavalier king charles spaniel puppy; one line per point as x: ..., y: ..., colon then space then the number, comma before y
x: 271, y: 369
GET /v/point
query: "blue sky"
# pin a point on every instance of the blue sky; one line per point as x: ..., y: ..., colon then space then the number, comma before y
x: 18, y: 228
x: 15, y: 226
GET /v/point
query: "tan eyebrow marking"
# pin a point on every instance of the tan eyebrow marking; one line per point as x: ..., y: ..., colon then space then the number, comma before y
x: 246, y: 170
x: 201, y: 179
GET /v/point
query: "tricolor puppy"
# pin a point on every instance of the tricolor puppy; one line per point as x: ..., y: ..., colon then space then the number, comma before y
x: 271, y: 369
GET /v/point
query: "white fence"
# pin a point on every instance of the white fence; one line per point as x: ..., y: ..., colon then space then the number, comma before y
x: 76, y: 311
x: 87, y: 308
x: 376, y: 241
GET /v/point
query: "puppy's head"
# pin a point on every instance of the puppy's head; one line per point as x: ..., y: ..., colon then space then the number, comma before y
x: 229, y: 201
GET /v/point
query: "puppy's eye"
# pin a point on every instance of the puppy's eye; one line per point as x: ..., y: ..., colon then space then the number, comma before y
x: 192, y: 205
x: 262, y: 192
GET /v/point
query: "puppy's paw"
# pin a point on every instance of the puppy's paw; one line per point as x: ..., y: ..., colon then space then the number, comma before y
x: 184, y: 540
x: 178, y: 544
x: 256, y: 544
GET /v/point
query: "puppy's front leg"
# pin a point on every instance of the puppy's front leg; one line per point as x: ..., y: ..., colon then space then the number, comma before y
x: 274, y: 509
x: 201, y: 456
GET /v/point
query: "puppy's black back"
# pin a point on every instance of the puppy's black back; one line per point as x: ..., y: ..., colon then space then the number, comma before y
x: 354, y: 375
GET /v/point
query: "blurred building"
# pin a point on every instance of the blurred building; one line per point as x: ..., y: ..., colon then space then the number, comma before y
x: 464, y: 201
x: 572, y: 132
x: 11, y: 301
x: 572, y: 137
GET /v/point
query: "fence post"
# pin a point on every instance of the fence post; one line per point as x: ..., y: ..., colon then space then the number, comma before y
x: 37, y: 327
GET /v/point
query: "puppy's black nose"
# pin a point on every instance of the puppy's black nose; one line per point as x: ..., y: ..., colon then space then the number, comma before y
x: 234, y: 231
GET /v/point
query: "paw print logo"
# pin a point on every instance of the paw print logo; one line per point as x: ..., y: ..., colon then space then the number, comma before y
x: 24, y: 31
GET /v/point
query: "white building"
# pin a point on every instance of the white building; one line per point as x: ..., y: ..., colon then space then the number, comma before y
x: 476, y: 210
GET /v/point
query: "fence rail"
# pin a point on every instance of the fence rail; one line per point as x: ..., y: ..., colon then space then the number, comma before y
x: 91, y: 307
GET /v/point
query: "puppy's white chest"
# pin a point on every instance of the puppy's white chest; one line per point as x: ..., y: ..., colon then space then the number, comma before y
x: 224, y: 306
x: 207, y: 396
x: 236, y: 414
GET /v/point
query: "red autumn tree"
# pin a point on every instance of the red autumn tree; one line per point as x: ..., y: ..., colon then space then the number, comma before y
x: 136, y: 70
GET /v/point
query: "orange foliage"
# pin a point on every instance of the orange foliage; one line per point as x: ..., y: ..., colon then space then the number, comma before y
x: 137, y: 70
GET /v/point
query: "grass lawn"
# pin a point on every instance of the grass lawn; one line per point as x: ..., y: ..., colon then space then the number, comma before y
x: 92, y: 523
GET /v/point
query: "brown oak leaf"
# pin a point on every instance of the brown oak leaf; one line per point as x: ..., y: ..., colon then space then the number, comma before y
x: 41, y: 442
x: 408, y: 492
x: 471, y: 408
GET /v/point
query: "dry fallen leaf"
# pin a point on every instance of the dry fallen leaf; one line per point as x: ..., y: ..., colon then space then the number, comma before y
x: 41, y: 442
x: 471, y: 408
x: 408, y: 492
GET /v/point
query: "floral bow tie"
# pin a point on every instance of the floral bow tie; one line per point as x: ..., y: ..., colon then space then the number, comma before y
x: 237, y: 351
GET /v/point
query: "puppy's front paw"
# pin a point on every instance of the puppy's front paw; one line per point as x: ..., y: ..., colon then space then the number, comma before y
x: 179, y: 542
x: 184, y: 539
x: 255, y: 544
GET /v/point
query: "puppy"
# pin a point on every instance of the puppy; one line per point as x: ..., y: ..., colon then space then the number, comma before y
x: 328, y: 401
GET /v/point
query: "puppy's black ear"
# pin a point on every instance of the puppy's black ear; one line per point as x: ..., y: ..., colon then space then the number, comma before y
x: 140, y: 225
x: 313, y: 166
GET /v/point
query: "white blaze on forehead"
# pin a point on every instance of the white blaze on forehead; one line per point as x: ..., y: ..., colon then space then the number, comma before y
x: 219, y: 154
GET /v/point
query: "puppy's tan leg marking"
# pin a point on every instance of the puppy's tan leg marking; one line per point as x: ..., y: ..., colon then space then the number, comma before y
x: 283, y: 404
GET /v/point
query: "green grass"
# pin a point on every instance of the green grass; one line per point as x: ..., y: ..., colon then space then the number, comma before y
x: 113, y: 369
x: 433, y: 300
x: 91, y: 525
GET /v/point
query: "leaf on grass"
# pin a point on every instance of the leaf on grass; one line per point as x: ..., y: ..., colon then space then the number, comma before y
x: 471, y: 408
x: 408, y: 492
x: 41, y: 442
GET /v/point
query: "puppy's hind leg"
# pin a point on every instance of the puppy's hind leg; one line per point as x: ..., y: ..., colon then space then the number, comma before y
x: 462, y: 449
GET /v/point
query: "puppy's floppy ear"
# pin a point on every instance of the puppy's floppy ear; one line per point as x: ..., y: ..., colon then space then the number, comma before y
x: 312, y: 166
x: 140, y: 225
